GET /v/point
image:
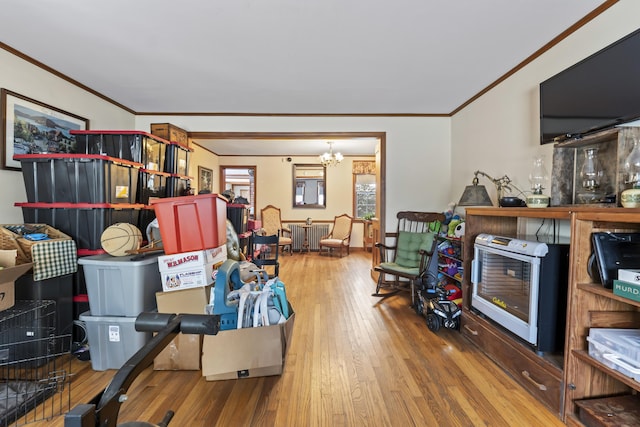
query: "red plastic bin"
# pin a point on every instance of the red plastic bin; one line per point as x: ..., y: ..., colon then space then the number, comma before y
x: 191, y: 223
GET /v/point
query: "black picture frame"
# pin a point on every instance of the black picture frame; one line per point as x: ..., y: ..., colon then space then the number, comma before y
x: 30, y: 126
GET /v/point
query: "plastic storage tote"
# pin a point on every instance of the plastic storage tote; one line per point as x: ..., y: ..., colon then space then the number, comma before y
x: 84, y: 222
x: 178, y: 185
x: 137, y: 146
x: 112, y: 340
x: 178, y: 158
x: 152, y: 184
x: 121, y: 286
x: 79, y: 178
x: 191, y: 223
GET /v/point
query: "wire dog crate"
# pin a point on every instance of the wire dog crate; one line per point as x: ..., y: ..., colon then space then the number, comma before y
x: 35, y: 364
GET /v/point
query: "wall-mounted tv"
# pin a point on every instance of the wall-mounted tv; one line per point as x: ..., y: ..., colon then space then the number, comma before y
x: 597, y: 93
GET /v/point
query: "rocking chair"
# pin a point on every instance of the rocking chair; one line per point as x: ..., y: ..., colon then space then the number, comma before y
x: 409, y: 259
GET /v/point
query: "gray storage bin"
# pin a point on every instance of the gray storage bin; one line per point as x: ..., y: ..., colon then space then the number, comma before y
x: 121, y: 286
x: 112, y: 340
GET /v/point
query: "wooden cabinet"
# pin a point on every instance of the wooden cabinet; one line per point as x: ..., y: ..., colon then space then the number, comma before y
x: 541, y: 375
x: 593, y: 306
x: 558, y: 384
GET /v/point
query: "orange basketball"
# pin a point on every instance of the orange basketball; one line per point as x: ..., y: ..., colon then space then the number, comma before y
x: 119, y: 238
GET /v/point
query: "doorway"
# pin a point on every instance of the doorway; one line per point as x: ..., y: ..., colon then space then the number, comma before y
x: 200, y: 138
x: 241, y: 180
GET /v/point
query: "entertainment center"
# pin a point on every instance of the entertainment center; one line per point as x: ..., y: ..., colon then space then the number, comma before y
x: 558, y: 380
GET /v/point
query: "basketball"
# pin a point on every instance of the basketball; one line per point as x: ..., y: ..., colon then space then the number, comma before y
x: 119, y: 238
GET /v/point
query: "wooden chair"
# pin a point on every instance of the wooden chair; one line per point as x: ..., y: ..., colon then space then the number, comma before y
x: 410, y: 257
x: 340, y: 235
x: 272, y: 224
x: 265, y: 250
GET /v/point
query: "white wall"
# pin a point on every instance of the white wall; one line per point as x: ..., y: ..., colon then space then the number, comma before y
x: 499, y: 133
x: 23, y: 78
x: 417, y: 152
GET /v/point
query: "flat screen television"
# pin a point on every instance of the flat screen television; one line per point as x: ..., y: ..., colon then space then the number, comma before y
x: 597, y: 93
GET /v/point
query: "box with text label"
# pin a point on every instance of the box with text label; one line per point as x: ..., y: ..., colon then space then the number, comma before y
x: 247, y: 352
x: 190, y: 269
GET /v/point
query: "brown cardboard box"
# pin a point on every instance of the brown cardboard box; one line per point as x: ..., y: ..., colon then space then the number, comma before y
x: 8, y: 275
x: 247, y: 352
x: 184, y: 352
x: 170, y: 132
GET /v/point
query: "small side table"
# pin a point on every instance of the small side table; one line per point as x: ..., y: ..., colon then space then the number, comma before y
x: 305, y: 242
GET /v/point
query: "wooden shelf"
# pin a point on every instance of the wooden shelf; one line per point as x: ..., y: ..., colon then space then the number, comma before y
x: 583, y: 355
x: 604, y: 292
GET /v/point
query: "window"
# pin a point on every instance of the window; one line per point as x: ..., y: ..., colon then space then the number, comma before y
x: 364, y: 193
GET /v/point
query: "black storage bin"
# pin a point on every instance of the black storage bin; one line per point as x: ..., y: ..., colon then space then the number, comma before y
x: 29, y: 323
x: 84, y: 222
x: 58, y: 289
x: 79, y: 178
x: 178, y: 186
x: 239, y: 217
x: 80, y: 305
x: 152, y: 184
x: 147, y: 214
x: 178, y: 159
x: 137, y: 146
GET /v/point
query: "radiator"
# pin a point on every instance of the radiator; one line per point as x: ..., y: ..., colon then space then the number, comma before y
x: 315, y: 232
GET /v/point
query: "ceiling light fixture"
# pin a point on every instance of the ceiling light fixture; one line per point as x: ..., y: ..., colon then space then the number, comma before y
x: 330, y: 158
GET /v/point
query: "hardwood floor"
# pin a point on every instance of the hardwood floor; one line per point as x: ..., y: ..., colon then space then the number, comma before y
x: 354, y: 361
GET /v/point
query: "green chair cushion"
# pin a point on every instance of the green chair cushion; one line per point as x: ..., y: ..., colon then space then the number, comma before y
x: 408, y: 248
x: 395, y: 268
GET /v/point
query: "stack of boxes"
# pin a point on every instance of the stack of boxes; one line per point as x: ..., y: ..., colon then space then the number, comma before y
x: 119, y: 289
x: 193, y: 230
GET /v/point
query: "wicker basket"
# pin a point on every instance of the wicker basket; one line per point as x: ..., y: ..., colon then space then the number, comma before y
x: 11, y: 238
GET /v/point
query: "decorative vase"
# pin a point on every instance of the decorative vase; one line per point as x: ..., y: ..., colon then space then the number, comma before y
x: 538, y: 178
x: 591, y: 174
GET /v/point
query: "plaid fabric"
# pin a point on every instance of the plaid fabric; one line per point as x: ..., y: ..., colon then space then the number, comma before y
x: 54, y: 258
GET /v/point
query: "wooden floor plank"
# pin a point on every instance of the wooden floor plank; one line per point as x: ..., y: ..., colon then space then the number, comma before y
x: 354, y: 360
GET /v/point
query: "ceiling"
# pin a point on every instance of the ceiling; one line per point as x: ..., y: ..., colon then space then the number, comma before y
x: 317, y: 57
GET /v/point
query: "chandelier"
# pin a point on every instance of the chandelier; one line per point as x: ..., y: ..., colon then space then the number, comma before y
x: 330, y: 158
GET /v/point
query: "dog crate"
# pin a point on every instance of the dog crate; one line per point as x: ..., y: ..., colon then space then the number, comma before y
x: 35, y: 386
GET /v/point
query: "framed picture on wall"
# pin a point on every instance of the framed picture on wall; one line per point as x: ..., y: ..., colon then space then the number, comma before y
x: 32, y: 127
x: 205, y: 180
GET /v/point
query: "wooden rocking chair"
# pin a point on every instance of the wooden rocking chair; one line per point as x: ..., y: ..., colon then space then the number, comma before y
x: 410, y: 257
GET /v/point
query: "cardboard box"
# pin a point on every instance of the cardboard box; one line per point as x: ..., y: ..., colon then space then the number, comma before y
x: 170, y: 132
x: 184, y: 352
x: 8, y: 275
x: 247, y: 352
x: 190, y: 269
